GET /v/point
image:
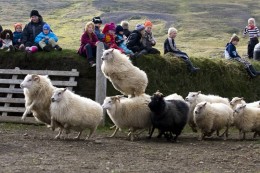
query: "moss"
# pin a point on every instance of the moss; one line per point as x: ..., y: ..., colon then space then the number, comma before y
x: 165, y: 73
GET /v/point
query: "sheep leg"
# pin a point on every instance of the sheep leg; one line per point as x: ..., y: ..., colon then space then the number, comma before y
x: 112, y: 127
x: 202, y: 135
x: 255, y: 134
x: 116, y: 130
x: 244, y: 135
x: 132, y: 134
x: 91, y: 132
x: 60, y: 132
x: 27, y: 111
x: 151, y: 133
x: 78, y: 136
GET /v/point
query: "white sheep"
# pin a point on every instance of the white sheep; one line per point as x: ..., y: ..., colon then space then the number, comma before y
x: 174, y: 96
x: 124, y: 76
x: 247, y: 119
x: 210, y: 117
x: 74, y: 112
x: 237, y: 100
x: 38, y: 90
x: 132, y: 113
x: 194, y: 98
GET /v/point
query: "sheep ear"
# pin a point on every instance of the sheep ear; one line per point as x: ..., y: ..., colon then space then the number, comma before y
x: 64, y: 89
x: 112, y: 50
x: 204, y: 104
x: 243, y: 106
x: 199, y: 92
x: 36, y: 77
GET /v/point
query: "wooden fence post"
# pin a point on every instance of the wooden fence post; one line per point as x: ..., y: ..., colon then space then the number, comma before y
x: 101, y: 81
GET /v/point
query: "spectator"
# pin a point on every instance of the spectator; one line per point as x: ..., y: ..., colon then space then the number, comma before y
x: 120, y: 40
x: 170, y: 46
x: 17, y: 35
x: 231, y: 54
x: 88, y: 44
x: 134, y: 42
x: 1, y: 29
x: 47, y: 39
x: 98, y: 22
x: 253, y: 33
x: 32, y: 29
x: 148, y: 39
x: 109, y: 40
x: 125, y: 26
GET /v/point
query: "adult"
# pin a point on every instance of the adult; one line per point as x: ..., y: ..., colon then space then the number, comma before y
x: 32, y: 29
x: 134, y: 42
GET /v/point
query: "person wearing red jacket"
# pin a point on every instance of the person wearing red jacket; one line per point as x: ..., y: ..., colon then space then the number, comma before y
x: 88, y: 46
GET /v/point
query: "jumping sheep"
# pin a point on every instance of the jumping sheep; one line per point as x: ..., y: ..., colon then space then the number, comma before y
x: 169, y: 116
x: 247, y: 119
x: 124, y: 76
x: 211, y: 117
x: 237, y: 100
x: 74, y: 112
x: 132, y: 113
x: 194, y: 98
x: 38, y: 90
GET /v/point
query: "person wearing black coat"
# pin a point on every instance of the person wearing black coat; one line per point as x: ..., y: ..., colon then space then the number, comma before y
x: 32, y: 29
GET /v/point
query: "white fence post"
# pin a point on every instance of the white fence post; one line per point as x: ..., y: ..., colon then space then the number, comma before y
x: 101, y: 81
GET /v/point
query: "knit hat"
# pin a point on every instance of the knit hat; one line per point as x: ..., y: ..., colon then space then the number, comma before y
x: 139, y: 27
x: 148, y: 23
x: 119, y: 28
x: 97, y: 20
x: 18, y: 24
x: 35, y: 13
x: 46, y: 27
x: 112, y: 27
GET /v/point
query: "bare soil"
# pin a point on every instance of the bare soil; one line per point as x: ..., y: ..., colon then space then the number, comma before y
x: 30, y: 148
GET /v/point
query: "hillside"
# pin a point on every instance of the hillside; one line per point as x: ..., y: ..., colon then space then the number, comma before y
x: 204, y: 26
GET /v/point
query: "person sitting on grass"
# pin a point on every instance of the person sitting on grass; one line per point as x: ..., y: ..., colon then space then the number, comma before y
x: 125, y: 26
x: 17, y: 35
x: 231, y: 54
x: 170, y: 46
x: 120, y: 41
x: 98, y: 22
x: 88, y: 44
x: 47, y: 39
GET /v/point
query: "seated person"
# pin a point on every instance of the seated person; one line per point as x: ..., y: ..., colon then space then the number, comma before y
x: 125, y: 26
x: 148, y: 39
x: 120, y: 40
x: 170, y: 46
x: 17, y: 35
x: 47, y: 39
x: 88, y: 44
x: 231, y: 54
x: 98, y: 22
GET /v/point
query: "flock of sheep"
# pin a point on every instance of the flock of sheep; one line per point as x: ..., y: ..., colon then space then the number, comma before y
x: 62, y: 109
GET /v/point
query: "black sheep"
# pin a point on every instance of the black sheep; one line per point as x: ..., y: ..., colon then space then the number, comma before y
x: 169, y: 116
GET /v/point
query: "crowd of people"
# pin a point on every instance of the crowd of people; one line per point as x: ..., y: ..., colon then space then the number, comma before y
x: 37, y: 35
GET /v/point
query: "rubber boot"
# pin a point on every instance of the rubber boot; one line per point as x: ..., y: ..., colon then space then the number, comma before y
x: 252, y: 69
x: 190, y: 66
x: 251, y: 74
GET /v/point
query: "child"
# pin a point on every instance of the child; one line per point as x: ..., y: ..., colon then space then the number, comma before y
x: 97, y: 21
x: 170, y: 46
x: 88, y: 44
x: 17, y: 35
x: 148, y: 39
x: 47, y: 39
x: 120, y: 40
x: 253, y: 33
x: 125, y: 26
x: 109, y: 40
x: 231, y: 54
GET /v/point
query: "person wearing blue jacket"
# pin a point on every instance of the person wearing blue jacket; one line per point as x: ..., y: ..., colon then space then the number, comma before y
x: 47, y: 39
x: 231, y: 54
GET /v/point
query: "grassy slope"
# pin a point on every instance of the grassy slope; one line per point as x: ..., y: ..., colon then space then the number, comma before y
x: 204, y: 25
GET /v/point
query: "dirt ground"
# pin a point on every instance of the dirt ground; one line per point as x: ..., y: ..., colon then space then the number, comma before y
x: 30, y: 148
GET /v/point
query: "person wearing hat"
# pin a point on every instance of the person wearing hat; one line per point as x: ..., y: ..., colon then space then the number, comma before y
x: 47, y: 39
x: 97, y: 21
x: 120, y: 40
x: 148, y: 39
x: 17, y: 35
x: 109, y: 40
x: 134, y: 42
x: 32, y: 29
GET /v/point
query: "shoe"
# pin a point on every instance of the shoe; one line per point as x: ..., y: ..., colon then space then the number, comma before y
x: 58, y: 48
x: 194, y: 70
x: 47, y: 48
x: 92, y: 64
